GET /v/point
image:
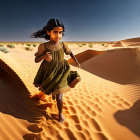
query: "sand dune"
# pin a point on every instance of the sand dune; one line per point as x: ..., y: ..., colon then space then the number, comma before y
x: 117, y: 44
x: 103, y: 106
x: 84, y: 56
x: 127, y: 42
x: 120, y: 65
x: 131, y: 42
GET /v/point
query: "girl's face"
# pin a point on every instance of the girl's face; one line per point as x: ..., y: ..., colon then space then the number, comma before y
x: 56, y: 34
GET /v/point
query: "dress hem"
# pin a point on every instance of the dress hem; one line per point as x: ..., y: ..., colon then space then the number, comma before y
x: 64, y: 89
x: 57, y: 91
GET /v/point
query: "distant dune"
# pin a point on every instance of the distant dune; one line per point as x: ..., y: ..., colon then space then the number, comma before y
x: 117, y: 44
x: 132, y: 40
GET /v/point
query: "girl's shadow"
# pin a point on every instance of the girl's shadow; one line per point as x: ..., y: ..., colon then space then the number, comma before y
x: 130, y: 118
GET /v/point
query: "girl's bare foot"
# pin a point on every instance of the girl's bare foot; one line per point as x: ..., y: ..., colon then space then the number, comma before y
x: 61, y: 118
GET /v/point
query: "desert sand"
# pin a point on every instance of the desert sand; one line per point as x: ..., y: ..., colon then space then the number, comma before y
x: 105, y: 105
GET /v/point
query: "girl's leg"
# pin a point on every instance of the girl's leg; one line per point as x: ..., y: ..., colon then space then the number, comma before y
x: 53, y: 97
x: 60, y: 107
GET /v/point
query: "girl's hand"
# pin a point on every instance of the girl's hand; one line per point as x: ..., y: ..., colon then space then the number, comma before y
x: 78, y: 65
x: 48, y: 56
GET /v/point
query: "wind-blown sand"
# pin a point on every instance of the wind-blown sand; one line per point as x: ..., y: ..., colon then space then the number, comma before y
x: 105, y: 105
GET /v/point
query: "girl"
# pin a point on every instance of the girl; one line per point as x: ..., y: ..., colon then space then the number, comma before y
x: 54, y: 75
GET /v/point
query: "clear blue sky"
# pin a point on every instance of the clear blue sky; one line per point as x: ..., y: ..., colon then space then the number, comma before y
x: 84, y: 20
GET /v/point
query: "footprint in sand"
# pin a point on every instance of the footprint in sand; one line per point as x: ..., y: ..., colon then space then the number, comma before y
x: 69, y: 134
x: 116, y: 101
x: 78, y: 127
x: 75, y: 101
x: 65, y: 107
x: 94, y: 125
x: 69, y: 102
x: 97, y: 107
x: 125, y: 103
x: 32, y: 137
x: 100, y: 136
x: 72, y: 109
x: 35, y: 128
x: 74, y: 118
x: 85, y: 123
x: 66, y: 124
x: 67, y: 97
x: 81, y: 135
x: 35, y: 135
x: 87, y: 133
x: 120, y: 102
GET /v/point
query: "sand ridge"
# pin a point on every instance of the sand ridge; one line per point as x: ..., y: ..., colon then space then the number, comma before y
x: 103, y: 106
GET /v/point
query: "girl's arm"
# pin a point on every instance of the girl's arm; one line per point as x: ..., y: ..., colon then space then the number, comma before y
x: 46, y: 56
x: 38, y: 59
x: 74, y: 58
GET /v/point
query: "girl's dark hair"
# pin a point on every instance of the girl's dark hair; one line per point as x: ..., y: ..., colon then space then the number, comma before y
x: 50, y: 25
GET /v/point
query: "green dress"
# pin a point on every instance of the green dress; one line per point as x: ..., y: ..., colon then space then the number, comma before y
x: 55, y: 77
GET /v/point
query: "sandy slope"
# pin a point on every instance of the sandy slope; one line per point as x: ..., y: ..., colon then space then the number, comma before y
x: 103, y: 106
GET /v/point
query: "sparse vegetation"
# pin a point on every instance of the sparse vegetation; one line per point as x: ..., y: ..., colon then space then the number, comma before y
x: 80, y: 45
x: 84, y: 44
x: 28, y: 44
x: 28, y: 48
x: 34, y: 45
x: 90, y: 45
x: 4, y: 50
x: 10, y: 46
x: 1, y: 46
